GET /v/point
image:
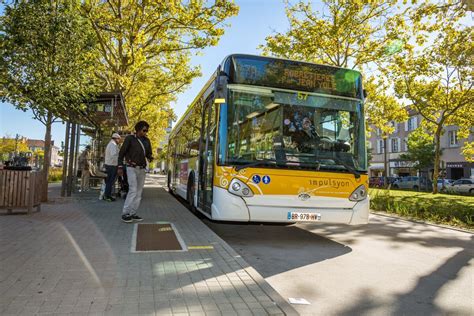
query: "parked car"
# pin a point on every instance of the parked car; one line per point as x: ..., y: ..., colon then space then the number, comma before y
x: 407, y: 183
x: 378, y: 182
x: 462, y: 186
x: 443, y: 184
x: 375, y: 182
x: 413, y: 183
x: 391, y: 180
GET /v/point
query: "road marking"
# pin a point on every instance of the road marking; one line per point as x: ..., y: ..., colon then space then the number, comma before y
x: 298, y: 301
x: 200, y: 247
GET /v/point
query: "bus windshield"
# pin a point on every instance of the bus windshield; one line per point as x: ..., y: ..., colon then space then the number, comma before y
x: 290, y: 129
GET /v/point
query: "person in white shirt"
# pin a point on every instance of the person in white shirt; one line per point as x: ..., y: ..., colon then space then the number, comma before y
x: 111, y: 163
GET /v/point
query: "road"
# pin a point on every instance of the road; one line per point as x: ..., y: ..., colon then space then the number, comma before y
x: 388, y: 267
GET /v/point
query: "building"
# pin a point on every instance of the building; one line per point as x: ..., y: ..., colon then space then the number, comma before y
x: 452, y: 160
x: 38, y: 144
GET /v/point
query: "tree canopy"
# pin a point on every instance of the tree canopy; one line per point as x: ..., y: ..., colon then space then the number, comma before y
x: 348, y: 34
x: 47, y: 62
x: 437, y: 77
x: 145, y: 49
x: 8, y: 145
x: 420, y: 149
x: 47, y: 57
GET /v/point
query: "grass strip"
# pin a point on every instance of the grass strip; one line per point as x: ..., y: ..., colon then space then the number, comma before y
x: 453, y: 210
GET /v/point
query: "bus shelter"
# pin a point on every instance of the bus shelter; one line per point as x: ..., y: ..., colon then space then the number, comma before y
x: 104, y: 114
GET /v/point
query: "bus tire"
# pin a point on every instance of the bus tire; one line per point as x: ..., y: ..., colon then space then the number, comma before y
x: 190, y: 192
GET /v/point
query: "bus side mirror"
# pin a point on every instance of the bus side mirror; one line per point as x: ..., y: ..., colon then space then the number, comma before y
x: 220, y: 90
x: 364, y: 92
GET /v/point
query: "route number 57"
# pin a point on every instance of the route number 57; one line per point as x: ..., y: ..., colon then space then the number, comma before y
x: 302, y: 96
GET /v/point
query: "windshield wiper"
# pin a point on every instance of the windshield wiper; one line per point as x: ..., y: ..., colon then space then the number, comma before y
x: 351, y: 169
x: 255, y: 163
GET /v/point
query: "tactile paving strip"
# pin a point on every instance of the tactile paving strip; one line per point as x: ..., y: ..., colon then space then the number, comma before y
x: 156, y: 237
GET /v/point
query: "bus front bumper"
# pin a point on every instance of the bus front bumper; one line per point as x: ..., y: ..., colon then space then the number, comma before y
x: 229, y: 207
x: 352, y: 216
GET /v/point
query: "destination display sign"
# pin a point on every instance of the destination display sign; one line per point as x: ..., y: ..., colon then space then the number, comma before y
x: 295, y: 75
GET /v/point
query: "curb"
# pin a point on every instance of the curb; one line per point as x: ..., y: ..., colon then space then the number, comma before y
x: 271, y: 292
x: 421, y: 222
x: 277, y: 299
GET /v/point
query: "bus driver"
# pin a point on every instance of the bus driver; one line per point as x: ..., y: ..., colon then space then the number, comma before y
x: 306, y: 137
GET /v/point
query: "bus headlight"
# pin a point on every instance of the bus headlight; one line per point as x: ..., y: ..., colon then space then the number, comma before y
x: 236, y: 186
x: 359, y: 194
x: 239, y: 188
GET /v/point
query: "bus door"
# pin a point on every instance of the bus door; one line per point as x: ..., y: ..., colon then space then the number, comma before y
x: 207, y: 148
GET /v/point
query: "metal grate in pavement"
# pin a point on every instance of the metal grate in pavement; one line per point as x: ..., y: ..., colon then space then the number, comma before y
x: 156, y: 237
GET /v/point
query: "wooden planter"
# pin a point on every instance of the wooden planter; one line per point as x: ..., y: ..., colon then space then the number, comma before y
x: 20, y: 189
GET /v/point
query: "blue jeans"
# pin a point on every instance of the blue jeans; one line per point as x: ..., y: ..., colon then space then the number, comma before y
x: 110, y: 180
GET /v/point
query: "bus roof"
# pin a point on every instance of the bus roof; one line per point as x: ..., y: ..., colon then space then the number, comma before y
x: 269, y: 58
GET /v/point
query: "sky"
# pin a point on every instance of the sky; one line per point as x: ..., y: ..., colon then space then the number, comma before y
x: 256, y: 20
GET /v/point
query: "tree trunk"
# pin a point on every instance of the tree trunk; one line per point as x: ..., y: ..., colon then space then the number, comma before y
x: 47, y: 156
x: 436, y: 162
x: 385, y: 164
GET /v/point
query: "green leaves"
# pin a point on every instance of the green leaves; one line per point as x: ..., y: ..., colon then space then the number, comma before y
x: 437, y: 78
x: 145, y: 50
x: 348, y: 34
x: 383, y: 109
x: 421, y: 149
x: 47, y: 59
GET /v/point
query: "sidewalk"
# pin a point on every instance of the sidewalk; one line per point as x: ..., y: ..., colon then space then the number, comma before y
x: 74, y: 258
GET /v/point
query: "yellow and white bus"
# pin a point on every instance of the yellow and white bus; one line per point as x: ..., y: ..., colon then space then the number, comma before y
x: 274, y: 140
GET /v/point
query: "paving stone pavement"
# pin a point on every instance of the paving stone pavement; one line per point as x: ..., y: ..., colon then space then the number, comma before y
x: 74, y: 258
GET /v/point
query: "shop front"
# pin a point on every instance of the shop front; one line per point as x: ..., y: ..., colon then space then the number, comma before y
x: 401, y: 168
x: 376, y: 169
x: 458, y: 170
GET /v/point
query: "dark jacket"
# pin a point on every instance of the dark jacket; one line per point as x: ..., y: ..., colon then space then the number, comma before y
x: 131, y: 152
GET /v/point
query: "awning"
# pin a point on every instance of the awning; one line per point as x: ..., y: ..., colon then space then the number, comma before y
x: 108, y: 110
x: 376, y: 166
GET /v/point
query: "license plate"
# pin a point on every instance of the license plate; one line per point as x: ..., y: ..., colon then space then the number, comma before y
x: 307, y: 217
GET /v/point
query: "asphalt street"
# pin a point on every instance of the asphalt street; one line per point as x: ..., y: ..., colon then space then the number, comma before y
x: 388, y: 267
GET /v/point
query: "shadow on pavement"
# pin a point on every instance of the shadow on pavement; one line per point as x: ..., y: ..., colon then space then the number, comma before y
x: 421, y: 299
x: 273, y: 249
x: 184, y: 279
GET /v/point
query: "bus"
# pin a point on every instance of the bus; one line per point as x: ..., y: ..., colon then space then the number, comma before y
x: 273, y: 140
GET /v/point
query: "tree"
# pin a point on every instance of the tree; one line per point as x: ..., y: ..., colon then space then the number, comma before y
x: 145, y: 49
x: 348, y: 34
x: 47, y: 61
x: 9, y: 145
x: 468, y: 151
x: 421, y: 150
x: 437, y: 79
x: 383, y: 111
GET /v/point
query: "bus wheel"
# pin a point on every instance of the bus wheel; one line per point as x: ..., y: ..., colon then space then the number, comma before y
x: 190, y: 193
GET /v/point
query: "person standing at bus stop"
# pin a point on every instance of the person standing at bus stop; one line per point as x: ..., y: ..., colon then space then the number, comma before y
x: 134, y: 154
x: 111, y: 163
x: 84, y: 163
